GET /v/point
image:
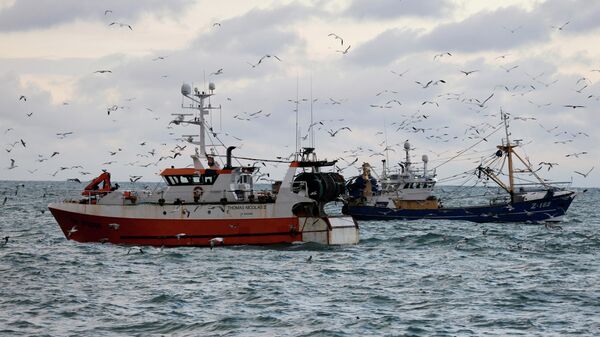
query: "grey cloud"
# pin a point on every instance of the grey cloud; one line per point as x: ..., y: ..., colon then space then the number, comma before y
x: 256, y: 32
x: 582, y: 15
x: 386, y: 47
x: 39, y: 14
x: 389, y: 9
x: 489, y: 31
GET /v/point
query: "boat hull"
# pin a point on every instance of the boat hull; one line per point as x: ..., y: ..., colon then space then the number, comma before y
x: 110, y: 224
x: 538, y: 210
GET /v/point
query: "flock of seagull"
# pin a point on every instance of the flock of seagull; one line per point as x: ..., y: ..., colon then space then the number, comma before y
x: 409, y: 123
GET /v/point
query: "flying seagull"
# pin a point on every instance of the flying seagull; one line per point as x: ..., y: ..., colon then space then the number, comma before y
x: 469, y: 72
x: 560, y: 27
x: 120, y: 24
x: 585, y: 174
x: 216, y: 241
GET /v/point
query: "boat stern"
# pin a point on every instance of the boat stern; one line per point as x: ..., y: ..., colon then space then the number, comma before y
x: 334, y: 230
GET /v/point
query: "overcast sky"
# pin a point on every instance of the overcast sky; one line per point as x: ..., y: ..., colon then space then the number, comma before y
x: 535, y: 57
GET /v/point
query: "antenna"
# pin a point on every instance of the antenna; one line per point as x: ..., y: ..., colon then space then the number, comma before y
x: 297, y: 133
x: 198, y: 97
x: 312, y: 131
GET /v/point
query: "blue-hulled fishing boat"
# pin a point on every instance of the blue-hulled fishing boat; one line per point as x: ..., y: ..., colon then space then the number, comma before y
x: 407, y: 193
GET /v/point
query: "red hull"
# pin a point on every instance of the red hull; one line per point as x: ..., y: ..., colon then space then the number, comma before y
x: 176, y: 232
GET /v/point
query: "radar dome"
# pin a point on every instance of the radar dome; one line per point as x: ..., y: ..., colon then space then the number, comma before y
x: 425, y: 158
x: 211, y: 86
x: 406, y: 145
x: 186, y: 89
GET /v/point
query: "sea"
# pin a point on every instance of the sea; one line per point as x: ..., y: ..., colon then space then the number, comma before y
x: 419, y: 278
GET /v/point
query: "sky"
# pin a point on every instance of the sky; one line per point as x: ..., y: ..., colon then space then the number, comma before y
x: 406, y: 70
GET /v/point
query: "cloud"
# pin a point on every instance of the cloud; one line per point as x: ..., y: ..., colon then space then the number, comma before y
x: 256, y: 32
x: 40, y: 14
x: 389, y: 9
x: 501, y: 29
x: 582, y: 15
x: 498, y: 30
x: 387, y: 47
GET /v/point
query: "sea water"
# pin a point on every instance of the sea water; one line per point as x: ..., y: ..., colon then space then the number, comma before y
x: 418, y: 278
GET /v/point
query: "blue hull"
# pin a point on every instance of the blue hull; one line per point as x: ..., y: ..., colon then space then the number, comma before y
x: 523, y: 211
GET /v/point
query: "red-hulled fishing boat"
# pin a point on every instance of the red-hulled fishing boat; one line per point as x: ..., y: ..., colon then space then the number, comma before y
x: 206, y: 205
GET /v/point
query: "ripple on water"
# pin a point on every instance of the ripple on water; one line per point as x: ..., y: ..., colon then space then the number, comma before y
x: 415, y: 278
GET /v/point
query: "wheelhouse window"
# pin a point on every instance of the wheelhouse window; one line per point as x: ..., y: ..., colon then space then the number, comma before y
x: 208, y: 178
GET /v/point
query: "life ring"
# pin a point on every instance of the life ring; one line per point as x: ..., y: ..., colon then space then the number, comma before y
x: 198, y: 191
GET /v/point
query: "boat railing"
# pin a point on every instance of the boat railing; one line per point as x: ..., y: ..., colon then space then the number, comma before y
x: 558, y: 185
x: 134, y: 195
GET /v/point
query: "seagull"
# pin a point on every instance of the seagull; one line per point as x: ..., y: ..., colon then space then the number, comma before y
x: 574, y: 106
x: 180, y: 235
x: 510, y: 68
x: 216, y: 24
x: 539, y: 105
x: 467, y: 73
x: 135, y: 248
x: 62, y: 135
x: 513, y: 30
x: 54, y: 154
x: 114, y: 226
x: 23, y: 98
x: 576, y: 155
x: 121, y: 24
x: 29, y: 114
x: 134, y: 178
x: 550, y: 165
x: 560, y: 27
x: 431, y: 82
x: 399, y: 74
x: 268, y: 56
x: 12, y: 164
x: 159, y: 58
x: 218, y: 72
x: 585, y: 174
x: 441, y: 55
x: 216, y: 241
x: 71, y: 231
x: 481, y: 104
x: 430, y: 102
x: 102, y: 71
x: 333, y: 133
x: 107, y: 11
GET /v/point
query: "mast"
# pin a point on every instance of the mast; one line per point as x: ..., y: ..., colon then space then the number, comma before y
x: 508, y: 148
x: 198, y: 97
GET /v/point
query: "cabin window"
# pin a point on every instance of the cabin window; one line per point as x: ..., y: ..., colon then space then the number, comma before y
x: 183, y: 180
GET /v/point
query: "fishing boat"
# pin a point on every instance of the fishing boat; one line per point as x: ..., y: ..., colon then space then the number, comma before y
x: 407, y: 194
x: 207, y: 205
